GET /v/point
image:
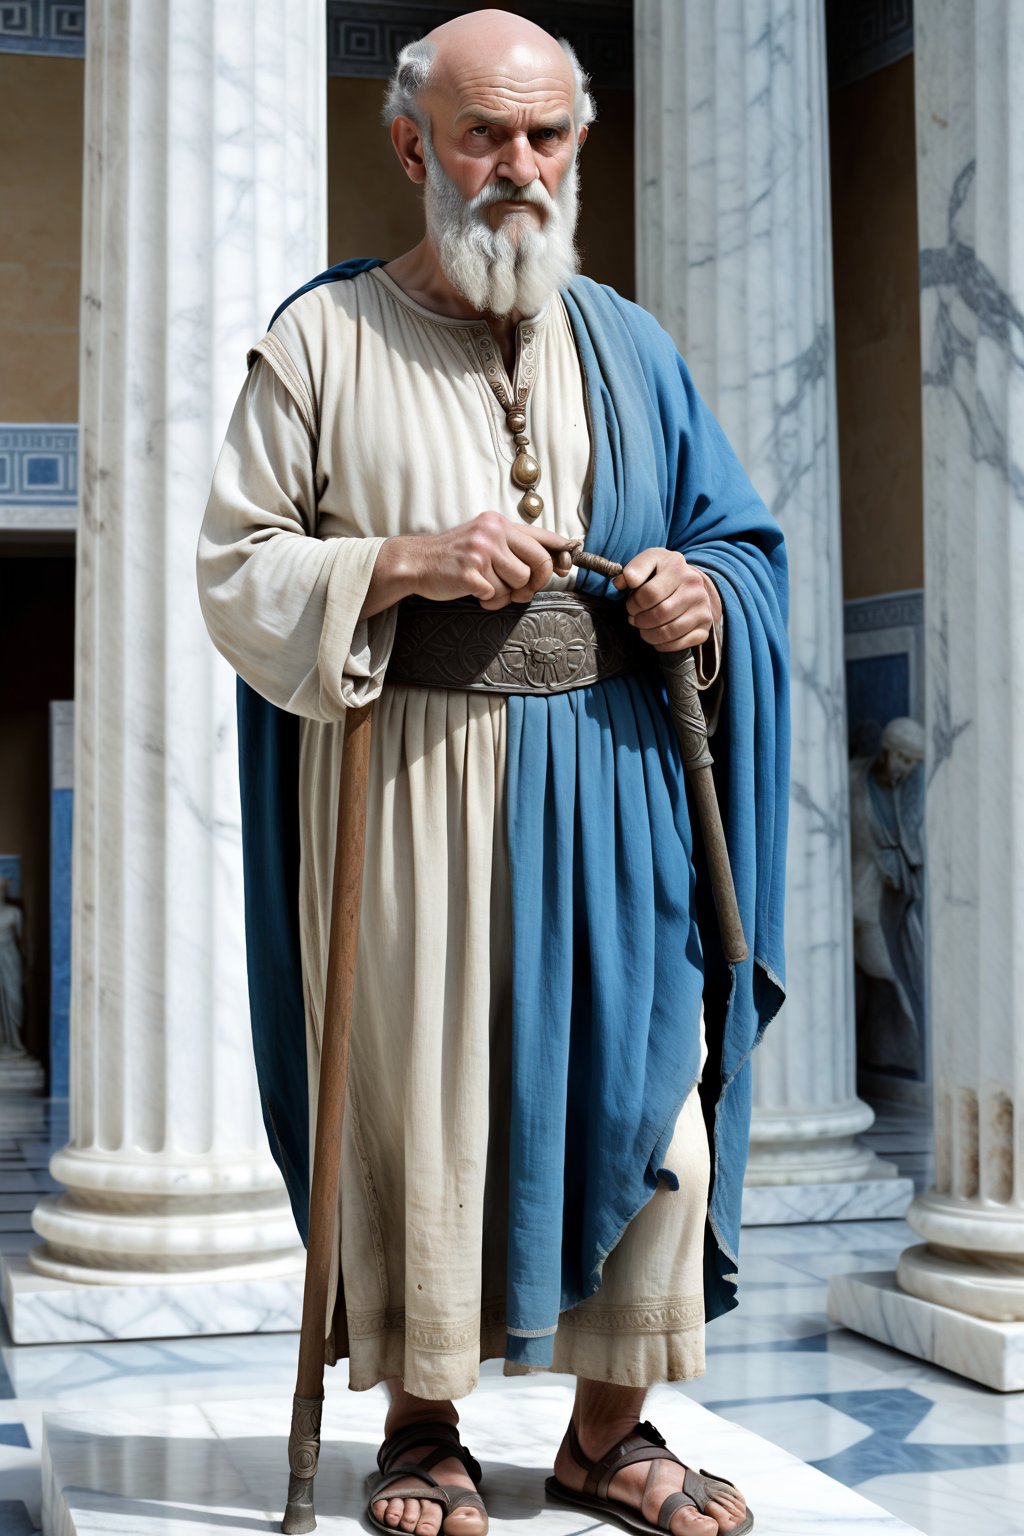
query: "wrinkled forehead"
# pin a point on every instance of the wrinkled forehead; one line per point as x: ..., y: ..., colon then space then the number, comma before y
x: 519, y: 81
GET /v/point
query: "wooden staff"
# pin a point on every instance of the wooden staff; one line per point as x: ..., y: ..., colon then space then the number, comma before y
x: 680, y: 673
x: 307, y: 1405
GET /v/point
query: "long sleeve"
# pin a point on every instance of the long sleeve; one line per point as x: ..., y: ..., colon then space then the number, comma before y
x: 281, y: 604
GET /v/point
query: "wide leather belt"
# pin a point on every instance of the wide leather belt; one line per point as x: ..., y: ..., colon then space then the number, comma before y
x: 560, y: 640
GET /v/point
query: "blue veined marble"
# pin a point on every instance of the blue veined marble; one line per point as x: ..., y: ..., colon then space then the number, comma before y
x: 892, y: 1416
x: 14, y: 1517
x: 810, y: 1343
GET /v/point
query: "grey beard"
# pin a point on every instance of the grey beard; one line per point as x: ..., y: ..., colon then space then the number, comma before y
x: 498, y: 271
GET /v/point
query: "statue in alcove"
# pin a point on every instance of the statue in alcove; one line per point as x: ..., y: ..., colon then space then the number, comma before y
x: 12, y: 975
x: 887, y: 834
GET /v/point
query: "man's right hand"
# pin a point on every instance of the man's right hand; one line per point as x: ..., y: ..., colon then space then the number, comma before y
x: 490, y: 558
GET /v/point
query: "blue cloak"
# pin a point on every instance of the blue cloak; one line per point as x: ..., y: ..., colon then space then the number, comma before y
x: 614, y: 934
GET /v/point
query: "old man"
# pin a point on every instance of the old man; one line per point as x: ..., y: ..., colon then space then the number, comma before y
x: 525, y: 1160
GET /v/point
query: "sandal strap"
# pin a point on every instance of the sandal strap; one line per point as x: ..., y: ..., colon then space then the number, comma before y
x: 702, y: 1486
x: 442, y: 1437
x: 381, y: 1487
x: 643, y: 1444
x: 671, y: 1504
x: 462, y: 1498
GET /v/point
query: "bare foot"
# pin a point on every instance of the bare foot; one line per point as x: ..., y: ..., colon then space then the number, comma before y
x: 423, y: 1517
x: 645, y: 1485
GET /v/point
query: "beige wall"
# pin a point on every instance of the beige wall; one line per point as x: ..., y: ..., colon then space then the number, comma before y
x: 874, y: 231
x: 40, y: 236
x: 374, y: 211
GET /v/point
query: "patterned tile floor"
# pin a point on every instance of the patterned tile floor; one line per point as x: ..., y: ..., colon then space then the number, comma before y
x: 939, y: 1452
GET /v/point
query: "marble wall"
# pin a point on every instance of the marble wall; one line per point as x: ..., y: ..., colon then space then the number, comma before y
x: 959, y: 1294
x: 735, y: 259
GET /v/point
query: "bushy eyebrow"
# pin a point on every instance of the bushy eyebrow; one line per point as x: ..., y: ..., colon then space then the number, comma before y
x: 561, y: 124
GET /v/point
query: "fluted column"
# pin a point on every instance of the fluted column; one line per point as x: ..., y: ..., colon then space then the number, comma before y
x: 961, y: 1296
x: 204, y: 205
x: 734, y: 256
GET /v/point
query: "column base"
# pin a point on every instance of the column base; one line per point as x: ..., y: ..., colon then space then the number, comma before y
x: 129, y: 1218
x: 990, y: 1287
x: 812, y: 1147
x: 874, y: 1305
x: 42, y: 1310
x: 883, y: 1197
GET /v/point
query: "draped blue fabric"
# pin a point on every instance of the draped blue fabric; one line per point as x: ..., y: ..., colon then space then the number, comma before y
x: 614, y: 935
x: 608, y: 913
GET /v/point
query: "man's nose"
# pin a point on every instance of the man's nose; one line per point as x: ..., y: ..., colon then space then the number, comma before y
x: 518, y: 163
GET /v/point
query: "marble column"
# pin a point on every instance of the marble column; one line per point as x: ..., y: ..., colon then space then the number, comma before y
x: 204, y: 204
x: 958, y: 1297
x: 734, y: 256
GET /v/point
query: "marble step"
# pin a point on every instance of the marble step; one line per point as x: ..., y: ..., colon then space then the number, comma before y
x: 209, y: 1469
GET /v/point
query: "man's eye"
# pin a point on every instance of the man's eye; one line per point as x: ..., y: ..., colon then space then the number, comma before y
x: 481, y: 128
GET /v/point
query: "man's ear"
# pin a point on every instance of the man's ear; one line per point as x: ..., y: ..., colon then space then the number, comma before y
x: 408, y: 142
x: 583, y: 136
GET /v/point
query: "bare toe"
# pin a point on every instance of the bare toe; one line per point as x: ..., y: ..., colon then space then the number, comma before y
x: 467, y: 1521
x: 430, y: 1520
x: 410, y: 1514
x: 728, y: 1511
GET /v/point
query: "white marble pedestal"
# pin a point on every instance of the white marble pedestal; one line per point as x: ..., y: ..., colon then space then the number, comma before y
x: 874, y: 1304
x: 45, y: 1311
x: 217, y: 1467
x: 20, y: 1074
x: 880, y: 1198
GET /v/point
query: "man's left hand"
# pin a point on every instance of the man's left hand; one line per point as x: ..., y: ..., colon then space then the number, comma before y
x: 671, y: 603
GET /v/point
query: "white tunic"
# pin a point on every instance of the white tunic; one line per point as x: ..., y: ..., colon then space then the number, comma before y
x: 366, y: 416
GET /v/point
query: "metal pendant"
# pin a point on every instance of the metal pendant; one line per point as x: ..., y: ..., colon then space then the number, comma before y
x: 525, y: 470
x: 531, y: 506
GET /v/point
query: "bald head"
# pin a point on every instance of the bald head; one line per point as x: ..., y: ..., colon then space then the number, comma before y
x: 497, y: 46
x: 492, y: 51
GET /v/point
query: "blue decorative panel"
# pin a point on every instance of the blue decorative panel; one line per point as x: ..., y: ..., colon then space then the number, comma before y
x: 364, y: 37
x: 877, y: 691
x: 43, y: 26
x: 884, y: 661
x: 62, y: 717
x: 866, y: 35
x: 61, y: 804
x: 38, y: 462
x: 10, y: 870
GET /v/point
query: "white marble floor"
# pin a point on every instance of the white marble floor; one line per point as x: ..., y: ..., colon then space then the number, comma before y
x: 938, y: 1452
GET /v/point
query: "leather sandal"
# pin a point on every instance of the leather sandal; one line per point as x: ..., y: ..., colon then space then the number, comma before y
x: 444, y: 1442
x: 644, y: 1444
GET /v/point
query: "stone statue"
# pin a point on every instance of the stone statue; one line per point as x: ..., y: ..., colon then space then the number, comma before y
x: 887, y: 831
x: 12, y: 975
